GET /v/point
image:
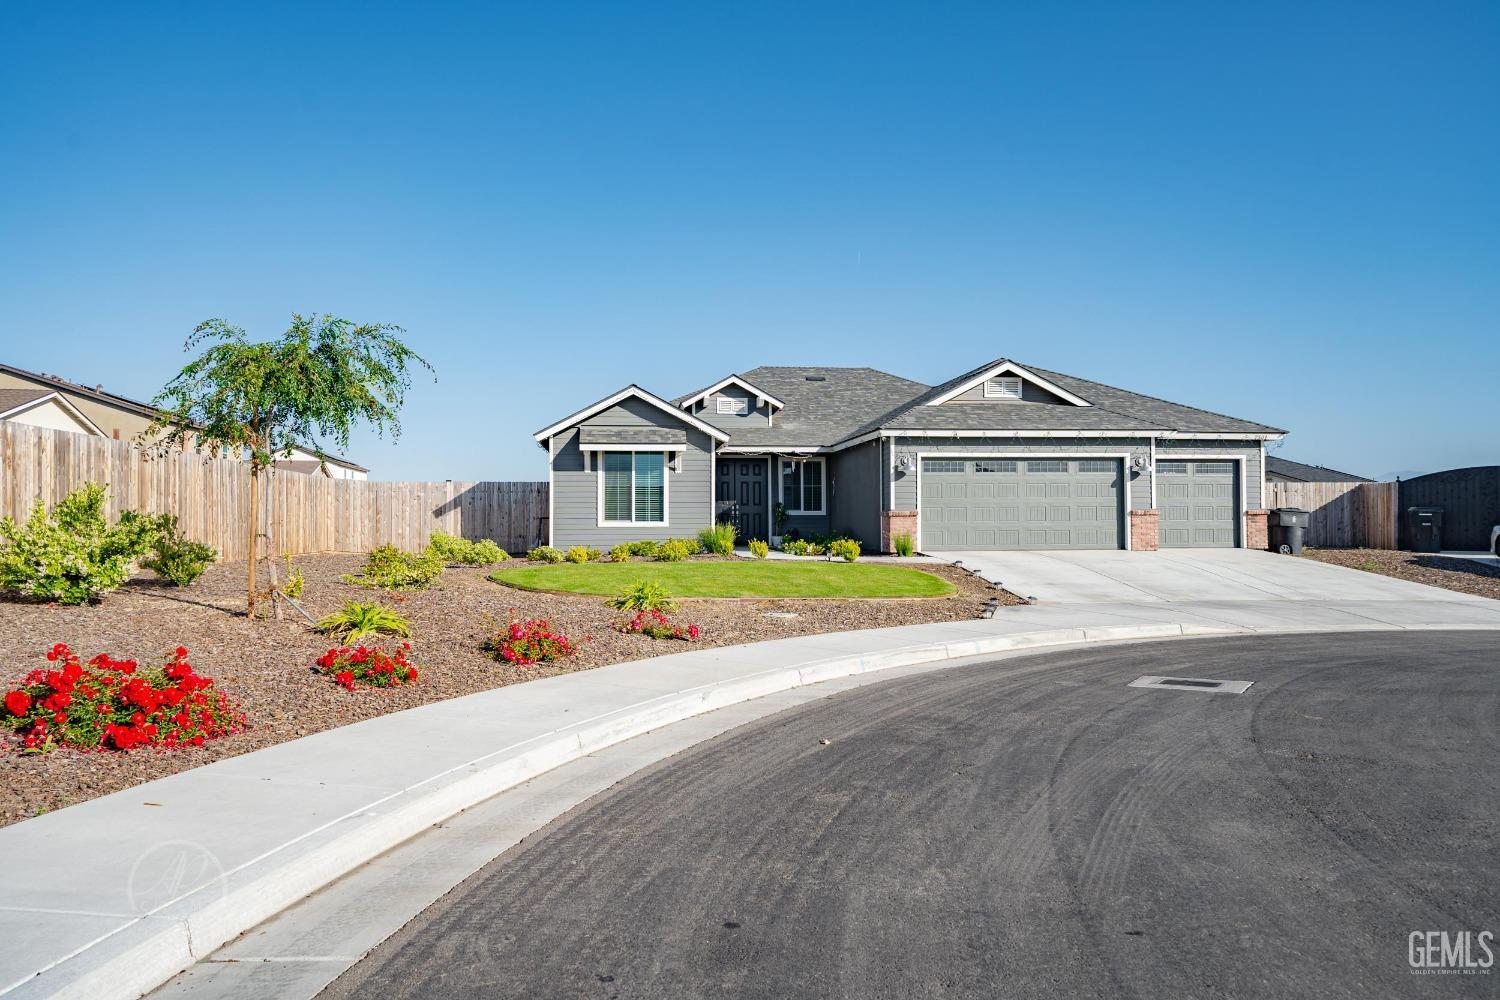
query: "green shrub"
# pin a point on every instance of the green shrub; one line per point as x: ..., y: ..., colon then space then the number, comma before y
x: 815, y: 548
x: 357, y: 619
x: 620, y: 553
x: 546, y: 554
x: 644, y: 547
x: 794, y: 547
x: 462, y: 552
x: 673, y: 550
x: 718, y: 539
x: 644, y: 595
x: 846, y: 549
x: 73, y: 554
x: 390, y: 568
x: 903, y: 544
x: 176, y: 557
x: 583, y: 554
x: 759, y: 549
x: 295, y: 581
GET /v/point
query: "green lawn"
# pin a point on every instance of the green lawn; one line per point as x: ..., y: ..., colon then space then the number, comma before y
x: 742, y: 578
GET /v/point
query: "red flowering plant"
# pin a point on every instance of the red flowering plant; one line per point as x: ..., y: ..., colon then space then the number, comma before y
x: 656, y: 625
x: 371, y: 666
x: 529, y: 641
x: 112, y: 704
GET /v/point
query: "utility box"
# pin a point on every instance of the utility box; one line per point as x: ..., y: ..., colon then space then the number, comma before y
x: 1288, y: 527
x: 1424, y: 528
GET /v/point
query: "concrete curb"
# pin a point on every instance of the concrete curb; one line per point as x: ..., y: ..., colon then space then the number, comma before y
x: 104, y: 970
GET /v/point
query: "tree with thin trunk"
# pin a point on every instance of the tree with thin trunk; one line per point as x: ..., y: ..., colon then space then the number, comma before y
x: 259, y: 401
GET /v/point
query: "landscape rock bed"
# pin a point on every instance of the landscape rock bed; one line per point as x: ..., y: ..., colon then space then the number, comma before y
x: 1467, y: 576
x: 269, y: 666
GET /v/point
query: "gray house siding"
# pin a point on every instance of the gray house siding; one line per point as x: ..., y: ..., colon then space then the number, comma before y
x: 904, y: 487
x: 708, y: 411
x: 575, y: 491
x: 855, y: 488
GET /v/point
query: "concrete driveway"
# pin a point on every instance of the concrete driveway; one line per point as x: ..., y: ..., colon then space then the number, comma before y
x: 1187, y: 575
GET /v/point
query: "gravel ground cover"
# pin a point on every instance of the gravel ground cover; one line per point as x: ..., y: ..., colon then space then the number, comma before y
x: 1467, y: 576
x: 267, y: 666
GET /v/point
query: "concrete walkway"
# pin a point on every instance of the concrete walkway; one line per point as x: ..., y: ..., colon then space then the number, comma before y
x: 112, y: 897
x: 1187, y: 575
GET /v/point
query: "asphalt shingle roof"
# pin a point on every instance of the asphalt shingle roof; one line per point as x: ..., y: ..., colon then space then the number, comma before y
x: 631, y: 435
x: 1301, y: 473
x: 828, y: 406
x: 12, y: 398
x: 821, y: 412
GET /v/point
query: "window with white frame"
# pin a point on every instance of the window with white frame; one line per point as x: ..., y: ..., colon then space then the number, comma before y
x: 1007, y: 387
x: 731, y: 404
x: 633, y: 488
x: 802, y: 485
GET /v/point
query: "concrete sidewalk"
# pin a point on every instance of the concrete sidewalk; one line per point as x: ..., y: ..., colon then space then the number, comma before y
x: 109, y: 898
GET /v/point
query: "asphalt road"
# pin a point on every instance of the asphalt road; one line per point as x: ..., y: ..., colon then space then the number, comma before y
x: 1023, y: 828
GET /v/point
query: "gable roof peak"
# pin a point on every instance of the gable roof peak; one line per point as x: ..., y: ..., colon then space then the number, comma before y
x: 998, y: 367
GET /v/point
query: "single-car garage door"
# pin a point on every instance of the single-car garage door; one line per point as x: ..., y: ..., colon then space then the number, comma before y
x: 1199, y: 504
x: 988, y: 503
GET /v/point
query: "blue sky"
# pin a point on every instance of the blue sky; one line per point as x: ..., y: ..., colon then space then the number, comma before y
x: 1286, y: 212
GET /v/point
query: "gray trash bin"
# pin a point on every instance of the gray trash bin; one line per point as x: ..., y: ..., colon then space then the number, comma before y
x: 1424, y: 529
x: 1289, y: 525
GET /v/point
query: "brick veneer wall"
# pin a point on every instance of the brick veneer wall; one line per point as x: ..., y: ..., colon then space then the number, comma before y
x: 896, y: 522
x: 1256, y: 533
x: 1145, y: 530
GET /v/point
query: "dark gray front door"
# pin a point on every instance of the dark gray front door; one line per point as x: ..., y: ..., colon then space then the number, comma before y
x: 742, y: 495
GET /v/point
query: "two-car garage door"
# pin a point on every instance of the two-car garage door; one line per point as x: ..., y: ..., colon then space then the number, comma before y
x: 1052, y: 503
x: 1070, y: 503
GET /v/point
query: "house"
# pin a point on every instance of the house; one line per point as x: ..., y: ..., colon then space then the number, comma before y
x: 41, y: 400
x: 103, y: 413
x: 1284, y: 470
x: 305, y: 460
x: 1006, y: 456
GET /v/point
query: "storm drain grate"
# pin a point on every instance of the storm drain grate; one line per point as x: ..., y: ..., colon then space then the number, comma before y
x: 1203, y: 684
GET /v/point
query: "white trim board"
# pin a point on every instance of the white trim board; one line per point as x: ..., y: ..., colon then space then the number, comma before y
x: 631, y: 391
x: 1009, y: 368
x: 1122, y: 457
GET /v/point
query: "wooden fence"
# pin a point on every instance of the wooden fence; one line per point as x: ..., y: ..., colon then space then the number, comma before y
x: 301, y: 513
x: 1344, y: 515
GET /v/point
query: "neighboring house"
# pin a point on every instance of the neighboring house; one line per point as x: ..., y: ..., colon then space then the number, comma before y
x: 1284, y: 470
x: 106, y: 413
x: 306, y: 460
x: 39, y: 407
x: 43, y: 400
x: 1005, y: 456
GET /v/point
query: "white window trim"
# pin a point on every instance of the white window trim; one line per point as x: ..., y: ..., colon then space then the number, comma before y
x: 1003, y: 387
x: 781, y: 465
x: 1123, y: 457
x: 734, y: 406
x: 666, y: 495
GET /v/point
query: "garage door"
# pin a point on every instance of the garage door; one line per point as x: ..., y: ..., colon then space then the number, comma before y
x: 1199, y: 504
x: 986, y: 503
